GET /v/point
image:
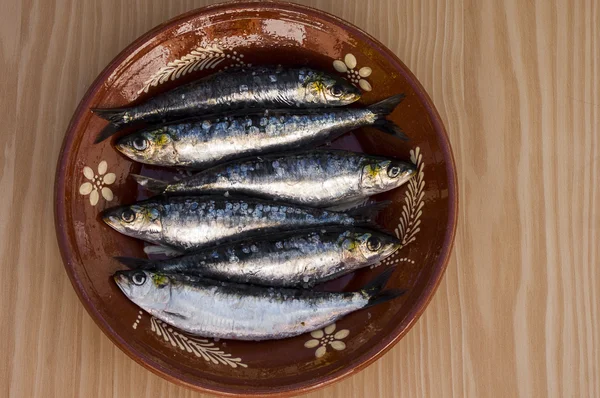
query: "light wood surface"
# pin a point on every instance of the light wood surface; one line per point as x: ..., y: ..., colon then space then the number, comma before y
x: 518, y: 86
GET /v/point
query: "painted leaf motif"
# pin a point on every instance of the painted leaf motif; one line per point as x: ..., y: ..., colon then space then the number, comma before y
x: 409, y: 221
x: 201, y: 348
x: 198, y: 59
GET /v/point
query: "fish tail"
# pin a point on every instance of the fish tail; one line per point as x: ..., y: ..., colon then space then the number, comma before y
x: 387, y: 126
x: 387, y: 106
x: 368, y: 213
x: 374, y: 289
x: 135, y: 263
x: 382, y: 109
x: 117, y: 118
x: 151, y: 184
x: 385, y: 296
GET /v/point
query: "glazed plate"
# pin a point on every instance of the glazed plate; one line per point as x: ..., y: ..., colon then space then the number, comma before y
x: 91, y: 177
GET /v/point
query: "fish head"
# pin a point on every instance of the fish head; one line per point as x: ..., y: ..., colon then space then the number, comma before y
x: 142, y: 221
x: 328, y: 90
x: 149, y: 147
x: 380, y: 175
x: 146, y: 289
x: 373, y: 246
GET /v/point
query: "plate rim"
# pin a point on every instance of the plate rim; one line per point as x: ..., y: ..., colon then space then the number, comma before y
x: 356, y: 364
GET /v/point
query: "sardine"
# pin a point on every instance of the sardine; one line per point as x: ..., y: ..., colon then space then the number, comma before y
x: 188, y: 223
x: 319, y: 178
x: 298, y: 259
x: 227, y: 310
x: 258, y: 87
x: 202, y: 143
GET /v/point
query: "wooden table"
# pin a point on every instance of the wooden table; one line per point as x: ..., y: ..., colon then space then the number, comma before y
x: 518, y: 86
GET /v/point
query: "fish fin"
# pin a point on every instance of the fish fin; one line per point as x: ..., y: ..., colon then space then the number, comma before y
x: 164, y: 250
x: 113, y: 115
x: 384, y: 296
x: 116, y: 117
x: 346, y: 206
x: 151, y: 184
x: 377, y: 284
x: 106, y: 132
x: 383, y: 108
x: 389, y: 127
x: 387, y: 106
x: 176, y: 315
x: 366, y: 214
x: 374, y: 288
x: 135, y: 263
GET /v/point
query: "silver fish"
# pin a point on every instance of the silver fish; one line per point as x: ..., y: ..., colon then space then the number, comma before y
x: 298, y: 259
x: 318, y: 178
x: 258, y: 87
x: 205, y: 142
x: 209, y: 308
x: 188, y: 223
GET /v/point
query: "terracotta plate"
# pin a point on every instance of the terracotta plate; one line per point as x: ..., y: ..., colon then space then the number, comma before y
x: 92, y: 177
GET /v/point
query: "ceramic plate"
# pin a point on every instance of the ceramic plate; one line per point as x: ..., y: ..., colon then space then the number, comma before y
x: 91, y: 177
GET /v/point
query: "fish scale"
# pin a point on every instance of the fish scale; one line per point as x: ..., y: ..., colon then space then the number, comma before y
x: 249, y: 89
x: 319, y: 178
x: 207, y: 141
x: 209, y: 308
x: 188, y: 223
x: 257, y: 87
x: 292, y: 259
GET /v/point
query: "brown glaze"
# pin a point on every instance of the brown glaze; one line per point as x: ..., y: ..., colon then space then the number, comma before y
x: 272, y: 33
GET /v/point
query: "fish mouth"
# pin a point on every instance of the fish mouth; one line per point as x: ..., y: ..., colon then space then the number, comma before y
x: 392, y: 248
x: 409, y: 172
x: 354, y: 96
x: 112, y: 221
x: 122, y: 147
x: 127, y: 151
x: 350, y: 98
x: 121, y: 276
x: 122, y: 281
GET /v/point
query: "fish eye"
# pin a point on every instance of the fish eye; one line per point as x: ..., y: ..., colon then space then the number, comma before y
x: 140, y: 143
x: 139, y: 278
x: 336, y: 90
x: 128, y: 215
x: 373, y: 244
x: 393, y: 171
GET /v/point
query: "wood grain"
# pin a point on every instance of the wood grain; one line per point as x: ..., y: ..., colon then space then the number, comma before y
x: 518, y: 86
